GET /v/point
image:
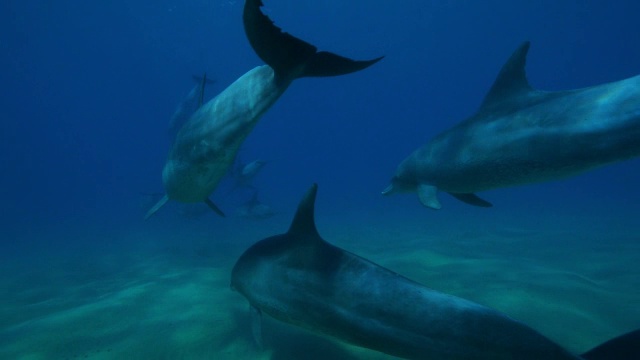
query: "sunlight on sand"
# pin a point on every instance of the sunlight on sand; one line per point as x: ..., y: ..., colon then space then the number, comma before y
x: 171, y: 304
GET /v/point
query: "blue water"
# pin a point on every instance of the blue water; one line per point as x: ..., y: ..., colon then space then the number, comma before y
x: 88, y: 89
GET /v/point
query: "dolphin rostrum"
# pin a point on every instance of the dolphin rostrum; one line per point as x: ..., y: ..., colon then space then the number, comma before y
x: 299, y: 278
x: 207, y: 144
x: 521, y: 135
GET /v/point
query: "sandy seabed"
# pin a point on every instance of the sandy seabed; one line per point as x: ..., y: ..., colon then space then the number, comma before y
x: 170, y: 298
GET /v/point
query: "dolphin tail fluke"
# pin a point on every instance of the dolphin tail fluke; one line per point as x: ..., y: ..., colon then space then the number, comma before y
x: 288, y: 55
x: 325, y: 63
x: 624, y: 347
x: 156, y: 207
x: 214, y: 207
x: 472, y: 199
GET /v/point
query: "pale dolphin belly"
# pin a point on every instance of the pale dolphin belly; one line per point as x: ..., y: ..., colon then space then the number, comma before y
x: 207, y: 145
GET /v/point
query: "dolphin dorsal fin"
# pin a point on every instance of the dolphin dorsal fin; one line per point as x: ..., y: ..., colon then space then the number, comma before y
x: 202, y: 85
x: 289, y: 56
x: 512, y: 79
x: 304, y: 225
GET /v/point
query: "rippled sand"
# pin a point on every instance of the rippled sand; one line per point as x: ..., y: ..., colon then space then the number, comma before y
x: 170, y: 299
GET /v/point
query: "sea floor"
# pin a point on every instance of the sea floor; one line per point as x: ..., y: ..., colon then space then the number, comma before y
x: 163, y: 292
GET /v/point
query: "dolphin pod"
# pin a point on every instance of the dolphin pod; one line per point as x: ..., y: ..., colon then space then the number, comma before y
x: 521, y: 135
x: 207, y: 144
x: 299, y: 278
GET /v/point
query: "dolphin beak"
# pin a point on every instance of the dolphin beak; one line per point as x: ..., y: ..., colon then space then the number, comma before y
x: 388, y: 190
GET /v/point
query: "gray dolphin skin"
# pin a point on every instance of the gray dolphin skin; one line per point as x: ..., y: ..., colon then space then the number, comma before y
x: 206, y: 146
x: 521, y: 135
x: 190, y: 104
x: 300, y: 279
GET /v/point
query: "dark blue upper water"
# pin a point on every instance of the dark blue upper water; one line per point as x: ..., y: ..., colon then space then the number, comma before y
x: 87, y: 90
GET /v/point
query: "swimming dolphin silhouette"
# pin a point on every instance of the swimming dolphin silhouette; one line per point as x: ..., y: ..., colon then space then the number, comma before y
x: 243, y: 174
x: 255, y: 209
x: 299, y: 278
x: 521, y: 135
x: 207, y: 144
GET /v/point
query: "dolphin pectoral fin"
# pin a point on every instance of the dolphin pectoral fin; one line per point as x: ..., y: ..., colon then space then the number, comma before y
x: 471, y: 199
x: 214, y: 207
x: 286, y: 53
x: 623, y: 347
x: 428, y: 195
x: 156, y: 207
x: 256, y: 326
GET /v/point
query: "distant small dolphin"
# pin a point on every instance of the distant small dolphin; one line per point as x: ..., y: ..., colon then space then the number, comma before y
x: 521, y: 135
x: 299, y: 278
x: 188, y: 106
x: 208, y: 143
x: 243, y: 174
x: 255, y: 209
x: 250, y: 170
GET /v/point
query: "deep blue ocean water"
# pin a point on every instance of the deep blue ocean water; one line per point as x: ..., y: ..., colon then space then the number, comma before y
x: 88, y: 88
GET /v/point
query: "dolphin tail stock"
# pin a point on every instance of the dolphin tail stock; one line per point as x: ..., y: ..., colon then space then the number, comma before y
x: 156, y: 207
x: 623, y: 347
x: 288, y: 55
x: 214, y: 207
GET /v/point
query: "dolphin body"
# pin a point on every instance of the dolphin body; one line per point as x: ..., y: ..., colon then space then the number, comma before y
x: 521, y: 135
x: 299, y: 278
x: 255, y: 209
x: 243, y: 174
x: 207, y: 144
x: 188, y: 106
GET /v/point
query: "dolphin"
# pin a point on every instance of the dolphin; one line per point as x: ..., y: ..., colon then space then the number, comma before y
x: 243, y: 174
x: 521, y: 135
x: 188, y: 106
x: 207, y: 144
x: 301, y: 279
x: 255, y: 209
